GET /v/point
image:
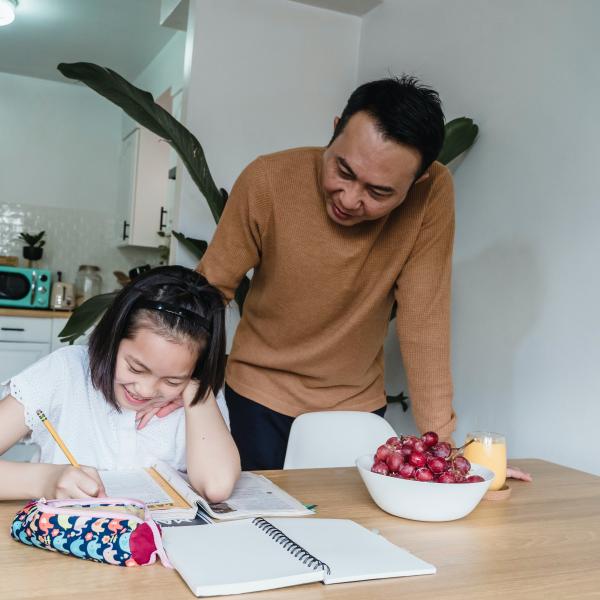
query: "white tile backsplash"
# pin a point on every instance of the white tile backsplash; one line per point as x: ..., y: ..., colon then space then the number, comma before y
x: 73, y: 237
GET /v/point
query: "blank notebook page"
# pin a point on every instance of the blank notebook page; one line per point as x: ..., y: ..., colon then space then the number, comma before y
x: 352, y: 552
x: 232, y: 558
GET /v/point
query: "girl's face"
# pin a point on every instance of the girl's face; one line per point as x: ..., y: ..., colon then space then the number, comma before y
x: 151, y: 370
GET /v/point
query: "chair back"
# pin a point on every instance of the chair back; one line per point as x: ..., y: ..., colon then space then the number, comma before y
x: 334, y: 438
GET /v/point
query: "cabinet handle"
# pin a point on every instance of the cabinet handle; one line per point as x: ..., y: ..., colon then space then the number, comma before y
x: 162, y: 225
x: 125, y: 226
x: 12, y: 329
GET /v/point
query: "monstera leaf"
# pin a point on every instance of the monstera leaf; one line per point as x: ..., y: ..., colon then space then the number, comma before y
x: 85, y: 316
x: 459, y: 136
x: 140, y: 106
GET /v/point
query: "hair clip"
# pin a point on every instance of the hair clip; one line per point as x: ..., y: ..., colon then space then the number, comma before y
x: 182, y: 313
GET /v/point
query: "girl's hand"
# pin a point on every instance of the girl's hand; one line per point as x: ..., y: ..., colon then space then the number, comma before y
x: 74, y: 482
x: 143, y: 417
x: 516, y: 473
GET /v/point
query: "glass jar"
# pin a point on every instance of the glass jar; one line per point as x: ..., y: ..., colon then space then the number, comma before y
x: 88, y: 283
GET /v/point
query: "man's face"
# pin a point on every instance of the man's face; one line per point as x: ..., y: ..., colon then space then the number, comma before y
x: 365, y: 176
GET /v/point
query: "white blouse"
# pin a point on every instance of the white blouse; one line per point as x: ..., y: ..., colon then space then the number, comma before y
x: 94, y: 431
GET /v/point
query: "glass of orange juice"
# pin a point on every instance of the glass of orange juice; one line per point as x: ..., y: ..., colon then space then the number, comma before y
x: 488, y: 449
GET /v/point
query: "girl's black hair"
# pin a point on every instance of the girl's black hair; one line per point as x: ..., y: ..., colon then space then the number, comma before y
x: 173, y: 287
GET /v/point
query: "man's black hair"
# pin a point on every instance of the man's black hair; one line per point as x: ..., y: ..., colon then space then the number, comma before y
x: 404, y: 110
x: 175, y: 287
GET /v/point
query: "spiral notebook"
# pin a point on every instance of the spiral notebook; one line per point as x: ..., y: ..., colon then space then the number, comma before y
x: 259, y: 554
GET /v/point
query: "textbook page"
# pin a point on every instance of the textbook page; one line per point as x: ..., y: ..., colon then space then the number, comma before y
x: 135, y: 484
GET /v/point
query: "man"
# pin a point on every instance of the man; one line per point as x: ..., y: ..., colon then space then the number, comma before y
x: 335, y: 235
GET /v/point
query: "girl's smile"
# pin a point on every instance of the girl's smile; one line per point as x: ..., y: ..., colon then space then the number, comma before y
x: 152, y: 370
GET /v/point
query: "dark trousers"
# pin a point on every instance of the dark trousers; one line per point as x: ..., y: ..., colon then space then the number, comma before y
x: 261, y: 434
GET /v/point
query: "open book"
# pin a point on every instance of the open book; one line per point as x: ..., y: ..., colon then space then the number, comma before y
x: 170, y: 497
x: 259, y: 554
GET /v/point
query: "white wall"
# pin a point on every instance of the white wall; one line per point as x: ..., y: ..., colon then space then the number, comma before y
x: 526, y: 292
x: 262, y: 76
x: 59, y: 145
x: 166, y: 68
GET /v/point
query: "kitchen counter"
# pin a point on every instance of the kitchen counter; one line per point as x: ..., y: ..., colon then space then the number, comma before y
x: 35, y: 312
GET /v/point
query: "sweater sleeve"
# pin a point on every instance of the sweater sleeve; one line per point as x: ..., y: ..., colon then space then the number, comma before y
x: 237, y: 242
x: 423, y: 316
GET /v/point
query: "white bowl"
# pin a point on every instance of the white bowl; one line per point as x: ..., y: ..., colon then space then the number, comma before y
x: 423, y: 500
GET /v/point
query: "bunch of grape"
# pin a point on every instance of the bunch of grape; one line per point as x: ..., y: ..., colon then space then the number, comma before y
x: 423, y: 459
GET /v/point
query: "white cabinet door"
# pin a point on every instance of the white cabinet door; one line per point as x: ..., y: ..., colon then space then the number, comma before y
x: 143, y: 195
x: 16, y: 356
x: 127, y: 177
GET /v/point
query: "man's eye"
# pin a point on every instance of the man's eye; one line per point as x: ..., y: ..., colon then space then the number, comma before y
x: 345, y: 174
x: 376, y: 194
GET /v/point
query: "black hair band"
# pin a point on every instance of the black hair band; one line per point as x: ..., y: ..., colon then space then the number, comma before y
x: 182, y: 313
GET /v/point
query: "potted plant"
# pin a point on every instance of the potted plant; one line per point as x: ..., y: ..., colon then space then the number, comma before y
x: 35, y: 246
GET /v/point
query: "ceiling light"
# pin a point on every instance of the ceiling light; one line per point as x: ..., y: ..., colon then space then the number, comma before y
x: 7, y: 11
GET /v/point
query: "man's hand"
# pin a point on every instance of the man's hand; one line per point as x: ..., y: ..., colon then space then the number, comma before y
x: 516, y: 473
x: 74, y: 482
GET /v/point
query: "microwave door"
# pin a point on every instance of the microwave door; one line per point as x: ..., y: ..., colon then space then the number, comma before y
x: 14, y: 286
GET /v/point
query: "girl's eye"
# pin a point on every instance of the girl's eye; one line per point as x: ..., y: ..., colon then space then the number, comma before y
x: 174, y: 383
x: 134, y: 370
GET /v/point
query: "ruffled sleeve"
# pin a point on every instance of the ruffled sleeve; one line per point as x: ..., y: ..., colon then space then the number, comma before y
x: 41, y: 386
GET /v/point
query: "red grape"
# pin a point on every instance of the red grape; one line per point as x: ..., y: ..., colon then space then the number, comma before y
x: 406, y: 471
x: 430, y: 439
x: 423, y: 474
x: 406, y: 450
x: 394, y: 461
x: 436, y: 464
x: 381, y: 468
x: 417, y: 459
x: 382, y: 453
x: 419, y: 445
x: 461, y: 464
x: 443, y: 450
x: 473, y: 479
x: 394, y: 441
x: 446, y: 477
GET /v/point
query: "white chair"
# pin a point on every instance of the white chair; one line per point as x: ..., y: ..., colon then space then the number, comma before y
x: 334, y: 438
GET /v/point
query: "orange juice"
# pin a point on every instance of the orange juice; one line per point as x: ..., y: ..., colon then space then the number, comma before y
x: 489, y: 450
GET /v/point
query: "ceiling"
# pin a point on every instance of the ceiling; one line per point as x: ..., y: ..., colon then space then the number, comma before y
x: 124, y: 35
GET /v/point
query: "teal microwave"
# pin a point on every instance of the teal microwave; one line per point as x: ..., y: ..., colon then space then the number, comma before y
x: 24, y: 288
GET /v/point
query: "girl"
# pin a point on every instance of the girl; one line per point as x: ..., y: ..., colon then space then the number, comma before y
x: 162, y: 341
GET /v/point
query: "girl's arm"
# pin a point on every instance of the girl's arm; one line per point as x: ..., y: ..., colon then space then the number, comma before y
x: 22, y: 480
x: 213, y: 460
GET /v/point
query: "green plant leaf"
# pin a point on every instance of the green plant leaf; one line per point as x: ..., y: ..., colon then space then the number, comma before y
x: 140, y: 105
x: 459, y: 136
x: 85, y: 316
x: 195, y: 246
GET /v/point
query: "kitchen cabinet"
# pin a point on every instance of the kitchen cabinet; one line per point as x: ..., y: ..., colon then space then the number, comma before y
x: 24, y: 340
x: 143, y: 189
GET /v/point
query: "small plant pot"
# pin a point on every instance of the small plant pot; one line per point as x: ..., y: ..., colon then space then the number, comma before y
x: 32, y: 253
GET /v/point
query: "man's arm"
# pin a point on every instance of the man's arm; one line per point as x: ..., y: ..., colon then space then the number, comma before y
x: 236, y: 244
x: 423, y: 316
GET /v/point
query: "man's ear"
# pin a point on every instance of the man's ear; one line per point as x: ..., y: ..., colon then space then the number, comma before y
x: 336, y: 120
x: 423, y: 177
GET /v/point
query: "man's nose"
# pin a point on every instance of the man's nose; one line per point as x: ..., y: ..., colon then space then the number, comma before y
x: 351, y: 198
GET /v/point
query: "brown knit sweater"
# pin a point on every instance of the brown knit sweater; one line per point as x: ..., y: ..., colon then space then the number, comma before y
x: 311, y: 336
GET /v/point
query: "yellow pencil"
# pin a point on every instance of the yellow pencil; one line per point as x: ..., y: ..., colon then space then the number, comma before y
x: 57, y: 438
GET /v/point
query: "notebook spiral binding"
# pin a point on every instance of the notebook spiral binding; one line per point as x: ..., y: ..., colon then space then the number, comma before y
x: 292, y: 547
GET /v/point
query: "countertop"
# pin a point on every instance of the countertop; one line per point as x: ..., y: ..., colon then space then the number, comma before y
x: 33, y: 312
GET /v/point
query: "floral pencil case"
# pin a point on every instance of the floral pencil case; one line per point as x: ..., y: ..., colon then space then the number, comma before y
x: 117, y: 531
